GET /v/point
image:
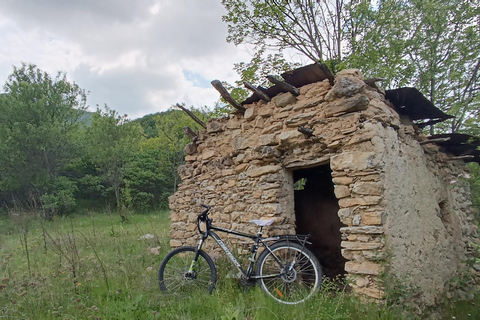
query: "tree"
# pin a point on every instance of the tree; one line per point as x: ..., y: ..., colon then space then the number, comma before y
x: 312, y: 27
x: 39, y: 121
x: 112, y: 141
x: 170, y: 126
x: 431, y: 44
x: 428, y: 44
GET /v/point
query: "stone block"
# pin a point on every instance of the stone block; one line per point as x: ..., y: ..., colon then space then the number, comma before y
x: 345, y: 86
x: 371, y: 292
x: 359, y: 201
x: 363, y: 230
x: 250, y: 113
x: 367, y: 188
x: 308, y: 103
x: 268, y: 140
x: 191, y: 148
x: 341, y: 191
x: 342, y: 180
x: 260, y: 171
x: 281, y: 115
x: 273, y: 128
x: 345, y: 213
x: 175, y: 243
x: 351, y: 202
x: 288, y: 136
x: 355, y: 160
x: 357, y: 220
x: 347, y: 105
x: 265, y: 111
x: 259, y: 122
x: 299, y: 119
x: 190, y: 158
x: 366, y: 267
x: 356, y: 73
x: 227, y: 172
x: 241, y: 167
x: 351, y: 245
x: 372, y: 218
x: 214, y: 126
x: 284, y: 99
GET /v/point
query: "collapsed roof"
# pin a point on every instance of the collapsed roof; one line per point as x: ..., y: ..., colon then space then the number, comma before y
x: 406, y: 101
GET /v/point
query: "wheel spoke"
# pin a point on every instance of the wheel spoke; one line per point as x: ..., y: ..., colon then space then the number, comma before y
x: 174, y: 274
x: 293, y: 285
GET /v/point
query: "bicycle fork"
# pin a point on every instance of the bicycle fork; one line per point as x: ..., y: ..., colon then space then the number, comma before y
x: 191, y: 270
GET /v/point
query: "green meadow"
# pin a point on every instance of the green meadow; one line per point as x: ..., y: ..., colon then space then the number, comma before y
x: 97, y: 266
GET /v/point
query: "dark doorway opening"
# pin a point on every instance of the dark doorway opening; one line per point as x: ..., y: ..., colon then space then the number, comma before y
x: 316, y: 212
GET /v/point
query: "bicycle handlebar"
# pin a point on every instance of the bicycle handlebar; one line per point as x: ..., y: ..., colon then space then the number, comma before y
x: 203, y: 217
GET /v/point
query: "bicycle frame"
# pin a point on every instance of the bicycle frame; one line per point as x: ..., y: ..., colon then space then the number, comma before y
x: 257, y: 239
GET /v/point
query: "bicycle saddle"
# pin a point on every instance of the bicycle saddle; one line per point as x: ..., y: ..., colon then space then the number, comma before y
x: 263, y: 223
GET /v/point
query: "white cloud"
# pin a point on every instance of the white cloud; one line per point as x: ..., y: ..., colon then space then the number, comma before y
x: 139, y: 57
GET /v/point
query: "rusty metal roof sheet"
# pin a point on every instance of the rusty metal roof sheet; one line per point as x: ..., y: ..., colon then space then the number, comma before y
x: 459, y: 144
x: 412, y: 103
x: 299, y: 77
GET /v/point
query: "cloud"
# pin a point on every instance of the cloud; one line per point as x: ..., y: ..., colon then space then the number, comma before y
x: 138, y: 57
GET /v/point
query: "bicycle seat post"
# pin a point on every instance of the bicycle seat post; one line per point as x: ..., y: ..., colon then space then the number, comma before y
x: 260, y: 229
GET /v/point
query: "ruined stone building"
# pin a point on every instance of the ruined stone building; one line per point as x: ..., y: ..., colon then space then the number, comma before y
x: 334, y: 158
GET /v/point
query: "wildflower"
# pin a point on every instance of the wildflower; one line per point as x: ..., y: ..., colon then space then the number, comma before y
x: 79, y: 284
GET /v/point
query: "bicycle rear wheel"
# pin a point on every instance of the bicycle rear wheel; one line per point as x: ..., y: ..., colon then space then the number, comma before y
x: 174, y: 276
x: 293, y: 281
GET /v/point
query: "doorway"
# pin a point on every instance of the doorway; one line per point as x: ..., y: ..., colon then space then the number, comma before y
x: 316, y: 213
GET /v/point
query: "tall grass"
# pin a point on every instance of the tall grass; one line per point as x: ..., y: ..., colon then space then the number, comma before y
x: 95, y: 266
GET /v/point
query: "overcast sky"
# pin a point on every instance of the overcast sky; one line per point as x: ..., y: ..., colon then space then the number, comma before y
x: 136, y: 56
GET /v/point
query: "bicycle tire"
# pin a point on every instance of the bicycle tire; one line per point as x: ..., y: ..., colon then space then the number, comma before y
x: 296, y: 285
x: 173, y: 277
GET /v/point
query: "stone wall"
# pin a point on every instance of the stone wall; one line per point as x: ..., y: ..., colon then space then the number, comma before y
x: 396, y: 201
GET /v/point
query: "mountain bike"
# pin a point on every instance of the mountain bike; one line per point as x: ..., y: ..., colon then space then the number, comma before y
x: 286, y: 270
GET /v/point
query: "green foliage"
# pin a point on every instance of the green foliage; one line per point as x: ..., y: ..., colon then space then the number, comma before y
x: 312, y: 28
x: 111, y: 144
x: 60, y: 198
x: 173, y: 139
x: 431, y: 45
x: 148, y: 124
x: 39, y: 122
x: 474, y: 181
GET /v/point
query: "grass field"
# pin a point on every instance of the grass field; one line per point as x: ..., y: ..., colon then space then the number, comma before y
x: 94, y: 266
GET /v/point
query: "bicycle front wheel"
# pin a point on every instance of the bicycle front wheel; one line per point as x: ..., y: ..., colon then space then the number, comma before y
x: 175, y: 276
x: 293, y: 274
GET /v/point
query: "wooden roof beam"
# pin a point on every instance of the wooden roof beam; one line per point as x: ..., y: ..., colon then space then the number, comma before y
x: 226, y: 95
x: 285, y: 86
x: 200, y: 122
x: 257, y: 91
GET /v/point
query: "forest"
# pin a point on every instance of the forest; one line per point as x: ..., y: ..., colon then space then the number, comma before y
x: 56, y: 156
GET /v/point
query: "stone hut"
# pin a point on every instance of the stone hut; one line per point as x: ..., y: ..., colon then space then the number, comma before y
x: 337, y: 160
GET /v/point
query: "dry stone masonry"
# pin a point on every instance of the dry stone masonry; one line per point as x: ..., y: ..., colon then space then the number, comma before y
x: 400, y: 206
